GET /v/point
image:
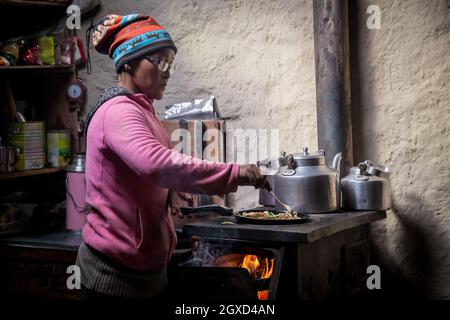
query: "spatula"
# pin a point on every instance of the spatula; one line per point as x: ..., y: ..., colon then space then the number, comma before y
x: 289, y: 209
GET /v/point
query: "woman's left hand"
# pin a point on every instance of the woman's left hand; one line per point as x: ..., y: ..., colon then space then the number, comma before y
x: 178, y: 200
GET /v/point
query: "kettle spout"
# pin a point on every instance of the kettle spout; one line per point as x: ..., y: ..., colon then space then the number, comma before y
x: 337, y: 162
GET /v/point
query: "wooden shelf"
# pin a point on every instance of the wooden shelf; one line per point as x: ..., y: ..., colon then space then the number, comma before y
x: 19, y: 174
x: 35, y: 3
x: 62, y: 68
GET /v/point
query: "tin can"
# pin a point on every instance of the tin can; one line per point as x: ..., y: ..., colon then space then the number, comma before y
x: 29, y: 138
x: 58, y: 148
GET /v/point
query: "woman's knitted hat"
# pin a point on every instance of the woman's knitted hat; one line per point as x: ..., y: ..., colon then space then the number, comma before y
x: 125, y: 38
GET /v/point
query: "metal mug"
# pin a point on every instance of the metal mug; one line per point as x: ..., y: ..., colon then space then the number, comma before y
x: 3, y: 159
x: 8, y: 158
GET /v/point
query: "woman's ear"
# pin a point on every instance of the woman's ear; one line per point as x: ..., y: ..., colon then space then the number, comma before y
x: 128, y: 68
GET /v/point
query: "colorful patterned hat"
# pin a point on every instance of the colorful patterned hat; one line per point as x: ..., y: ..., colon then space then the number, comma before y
x: 125, y: 38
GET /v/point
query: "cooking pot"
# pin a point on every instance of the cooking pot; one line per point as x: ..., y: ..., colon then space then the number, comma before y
x: 307, y: 184
x: 367, y: 187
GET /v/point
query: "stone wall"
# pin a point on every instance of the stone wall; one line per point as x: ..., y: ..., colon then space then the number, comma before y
x: 401, y: 118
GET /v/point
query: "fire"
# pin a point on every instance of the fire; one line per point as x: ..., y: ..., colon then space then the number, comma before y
x: 268, y: 270
x: 258, y: 268
x: 263, y: 295
x: 251, y: 263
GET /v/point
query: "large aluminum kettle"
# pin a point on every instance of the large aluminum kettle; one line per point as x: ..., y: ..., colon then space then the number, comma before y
x: 367, y: 187
x: 307, y: 184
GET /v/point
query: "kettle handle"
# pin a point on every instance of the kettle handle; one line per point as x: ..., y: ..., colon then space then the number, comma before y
x: 16, y: 155
x: 337, y: 162
x: 337, y: 166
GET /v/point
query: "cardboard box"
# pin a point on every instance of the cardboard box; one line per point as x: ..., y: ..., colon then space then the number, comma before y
x: 203, y: 139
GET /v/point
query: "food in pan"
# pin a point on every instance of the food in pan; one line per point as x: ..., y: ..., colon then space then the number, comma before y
x: 268, y: 215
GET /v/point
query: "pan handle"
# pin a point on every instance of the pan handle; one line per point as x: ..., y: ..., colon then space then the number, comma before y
x: 223, y: 211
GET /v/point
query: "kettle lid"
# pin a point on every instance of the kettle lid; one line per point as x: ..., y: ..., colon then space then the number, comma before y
x: 369, y: 168
x: 309, y: 159
x: 78, y: 163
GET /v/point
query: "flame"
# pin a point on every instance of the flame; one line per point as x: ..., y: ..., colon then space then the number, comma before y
x: 267, y: 270
x: 251, y: 263
x: 258, y: 268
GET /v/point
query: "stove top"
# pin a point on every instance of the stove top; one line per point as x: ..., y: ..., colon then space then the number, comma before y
x: 319, y: 226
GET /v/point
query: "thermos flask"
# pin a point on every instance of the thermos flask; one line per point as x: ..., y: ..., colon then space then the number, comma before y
x: 76, y: 208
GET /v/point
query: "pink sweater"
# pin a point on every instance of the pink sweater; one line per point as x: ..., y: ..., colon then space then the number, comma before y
x: 129, y: 171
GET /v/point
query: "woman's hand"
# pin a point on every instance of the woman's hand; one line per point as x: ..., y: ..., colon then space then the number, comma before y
x: 249, y: 175
x: 178, y: 200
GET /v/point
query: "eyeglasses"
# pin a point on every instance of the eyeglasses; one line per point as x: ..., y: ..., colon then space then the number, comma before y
x: 162, y: 65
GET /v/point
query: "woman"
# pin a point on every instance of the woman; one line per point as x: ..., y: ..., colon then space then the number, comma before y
x: 132, y: 175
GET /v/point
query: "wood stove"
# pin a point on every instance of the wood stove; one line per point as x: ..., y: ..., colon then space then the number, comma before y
x: 228, y: 268
x: 324, y: 258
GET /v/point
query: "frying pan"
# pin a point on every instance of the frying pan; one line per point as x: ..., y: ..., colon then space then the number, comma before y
x: 204, y: 211
x: 302, y: 218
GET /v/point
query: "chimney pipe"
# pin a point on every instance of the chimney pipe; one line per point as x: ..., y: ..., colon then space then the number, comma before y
x: 331, y: 51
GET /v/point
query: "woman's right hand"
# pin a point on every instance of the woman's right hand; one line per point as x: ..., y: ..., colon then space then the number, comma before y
x: 249, y: 175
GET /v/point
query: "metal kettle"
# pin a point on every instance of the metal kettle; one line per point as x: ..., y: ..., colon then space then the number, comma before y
x: 367, y: 187
x: 307, y: 184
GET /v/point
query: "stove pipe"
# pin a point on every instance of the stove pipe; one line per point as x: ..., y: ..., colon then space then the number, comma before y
x: 331, y: 51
